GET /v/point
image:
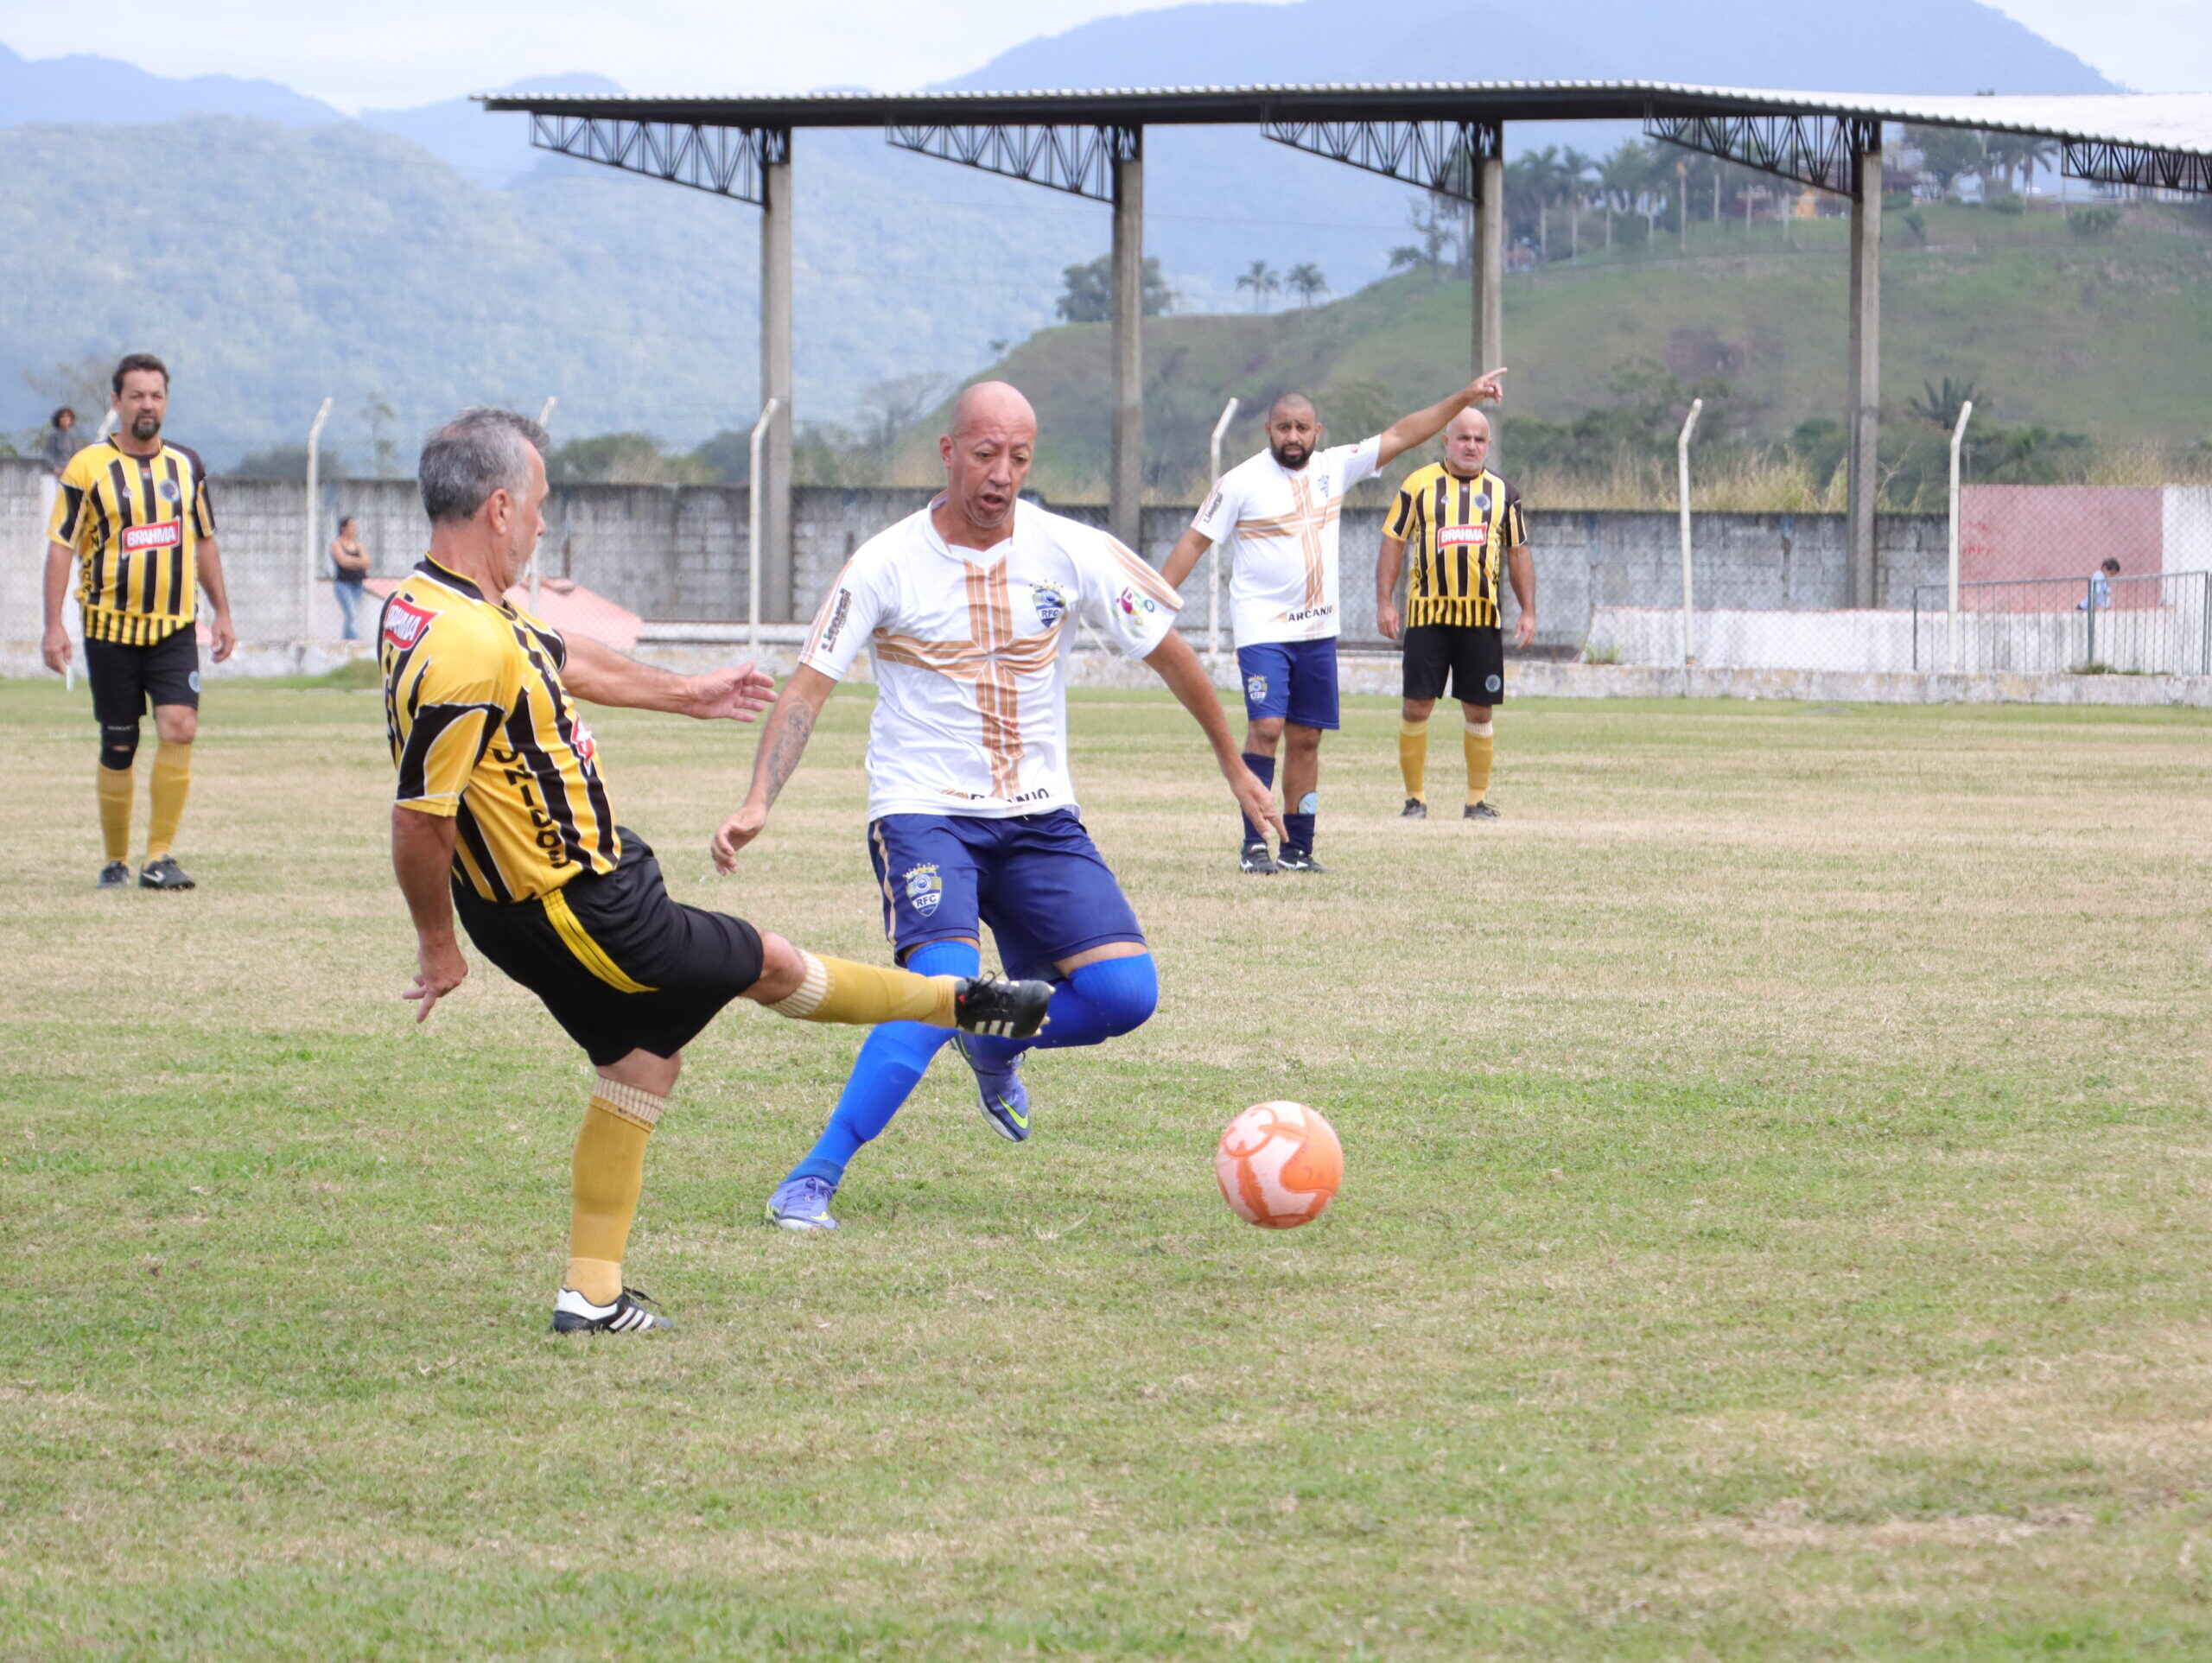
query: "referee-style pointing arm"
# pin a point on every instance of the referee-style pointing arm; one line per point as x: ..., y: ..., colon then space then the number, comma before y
x: 1409, y: 432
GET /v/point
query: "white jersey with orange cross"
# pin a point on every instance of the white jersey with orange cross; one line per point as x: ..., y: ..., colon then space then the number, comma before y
x: 1276, y: 528
x: 971, y: 700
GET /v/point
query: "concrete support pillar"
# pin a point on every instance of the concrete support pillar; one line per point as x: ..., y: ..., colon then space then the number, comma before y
x: 1863, y: 394
x: 774, y: 485
x: 1127, y: 468
x: 1488, y: 263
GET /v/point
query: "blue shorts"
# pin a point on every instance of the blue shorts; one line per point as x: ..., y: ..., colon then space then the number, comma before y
x: 1036, y: 880
x: 1294, y: 680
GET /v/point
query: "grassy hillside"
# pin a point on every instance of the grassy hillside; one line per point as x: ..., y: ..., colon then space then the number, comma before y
x: 2111, y: 338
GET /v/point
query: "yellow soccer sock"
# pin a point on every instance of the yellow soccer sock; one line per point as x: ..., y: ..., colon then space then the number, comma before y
x: 1482, y: 747
x: 609, y: 1173
x: 114, y: 788
x: 839, y: 990
x: 1413, y: 755
x: 172, y: 784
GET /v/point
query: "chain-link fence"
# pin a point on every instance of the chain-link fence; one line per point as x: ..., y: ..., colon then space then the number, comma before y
x: 2158, y: 624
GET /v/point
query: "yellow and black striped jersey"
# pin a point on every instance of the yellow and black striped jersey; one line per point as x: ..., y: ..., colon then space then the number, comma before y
x: 1457, y: 533
x: 135, y: 524
x: 482, y: 729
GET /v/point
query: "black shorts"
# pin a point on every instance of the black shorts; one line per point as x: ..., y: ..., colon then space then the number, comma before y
x: 622, y: 966
x: 1472, y: 659
x: 126, y: 680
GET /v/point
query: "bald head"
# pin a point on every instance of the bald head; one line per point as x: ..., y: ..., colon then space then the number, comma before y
x: 993, y: 405
x: 986, y: 457
x: 1466, y: 443
x: 1293, y: 431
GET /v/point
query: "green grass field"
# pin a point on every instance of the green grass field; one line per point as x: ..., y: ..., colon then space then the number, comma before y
x: 1775, y: 1226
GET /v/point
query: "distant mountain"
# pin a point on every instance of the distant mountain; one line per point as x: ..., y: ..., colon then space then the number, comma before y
x: 337, y: 260
x: 82, y: 88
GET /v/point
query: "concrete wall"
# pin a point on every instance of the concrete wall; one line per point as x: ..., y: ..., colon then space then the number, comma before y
x: 679, y: 553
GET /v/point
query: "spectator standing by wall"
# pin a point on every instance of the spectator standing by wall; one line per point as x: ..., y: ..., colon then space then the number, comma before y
x: 349, y: 561
x: 62, y: 442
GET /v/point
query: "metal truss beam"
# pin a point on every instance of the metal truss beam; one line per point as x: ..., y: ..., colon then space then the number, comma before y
x: 1815, y: 150
x: 1437, y: 156
x: 1078, y: 160
x: 727, y: 161
x: 2105, y: 163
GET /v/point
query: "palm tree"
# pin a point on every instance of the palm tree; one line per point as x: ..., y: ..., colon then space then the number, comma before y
x: 1307, y: 280
x: 1623, y: 174
x: 1574, y: 176
x: 1261, y: 278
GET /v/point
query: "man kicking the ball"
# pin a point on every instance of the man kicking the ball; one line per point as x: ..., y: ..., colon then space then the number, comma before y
x: 972, y: 819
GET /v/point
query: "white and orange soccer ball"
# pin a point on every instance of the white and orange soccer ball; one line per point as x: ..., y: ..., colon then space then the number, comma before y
x: 1278, y: 1165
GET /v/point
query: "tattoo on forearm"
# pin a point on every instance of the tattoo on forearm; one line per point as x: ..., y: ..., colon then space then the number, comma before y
x: 782, y: 749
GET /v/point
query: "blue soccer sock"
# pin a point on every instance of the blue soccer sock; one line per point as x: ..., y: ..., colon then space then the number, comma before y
x: 1298, y: 828
x: 1264, y: 767
x: 1100, y: 1000
x: 892, y: 1062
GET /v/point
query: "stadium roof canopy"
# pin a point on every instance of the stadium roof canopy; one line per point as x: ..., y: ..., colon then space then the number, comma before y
x: 2170, y: 132
x: 1444, y: 136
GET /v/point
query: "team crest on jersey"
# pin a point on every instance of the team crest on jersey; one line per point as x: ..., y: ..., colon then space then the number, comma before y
x: 1052, y: 605
x: 924, y: 889
x: 168, y: 491
x: 1481, y: 502
x: 404, y: 622
x: 1256, y: 689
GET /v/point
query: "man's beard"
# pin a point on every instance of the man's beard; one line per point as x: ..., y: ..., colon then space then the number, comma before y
x: 145, y: 427
x: 1284, y: 453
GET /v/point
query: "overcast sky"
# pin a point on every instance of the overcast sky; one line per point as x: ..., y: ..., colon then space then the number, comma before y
x: 410, y: 51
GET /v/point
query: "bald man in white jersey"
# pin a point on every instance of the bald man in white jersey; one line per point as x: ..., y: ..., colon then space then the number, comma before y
x: 972, y: 818
x: 1276, y: 515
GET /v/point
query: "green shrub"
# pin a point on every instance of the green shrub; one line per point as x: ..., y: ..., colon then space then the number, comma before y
x: 2092, y: 223
x: 2006, y: 202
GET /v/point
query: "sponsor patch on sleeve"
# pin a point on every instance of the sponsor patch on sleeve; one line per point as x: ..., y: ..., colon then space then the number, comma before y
x: 404, y: 622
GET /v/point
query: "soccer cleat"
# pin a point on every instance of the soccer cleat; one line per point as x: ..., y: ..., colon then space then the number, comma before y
x: 116, y: 874
x: 997, y: 1005
x: 574, y: 1314
x: 1414, y: 810
x: 1300, y: 861
x: 803, y: 1204
x: 1255, y: 858
x: 163, y: 873
x: 1005, y: 1098
x: 1479, y: 811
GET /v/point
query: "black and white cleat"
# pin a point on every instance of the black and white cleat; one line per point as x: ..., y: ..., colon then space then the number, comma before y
x: 574, y: 1314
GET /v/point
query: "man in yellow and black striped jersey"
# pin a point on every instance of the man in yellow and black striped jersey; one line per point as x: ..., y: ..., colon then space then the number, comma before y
x: 134, y: 514
x: 1462, y: 523
x: 502, y: 815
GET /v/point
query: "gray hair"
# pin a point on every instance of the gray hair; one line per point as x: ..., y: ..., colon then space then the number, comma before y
x: 480, y: 451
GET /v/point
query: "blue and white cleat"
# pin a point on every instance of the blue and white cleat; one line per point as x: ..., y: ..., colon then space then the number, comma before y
x: 1004, y: 1098
x: 803, y: 1204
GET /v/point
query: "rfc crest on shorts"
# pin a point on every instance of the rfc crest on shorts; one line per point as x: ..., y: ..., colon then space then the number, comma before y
x: 1256, y: 689
x: 924, y: 889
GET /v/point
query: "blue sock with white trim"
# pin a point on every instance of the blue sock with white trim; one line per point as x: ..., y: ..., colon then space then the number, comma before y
x: 892, y: 1062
